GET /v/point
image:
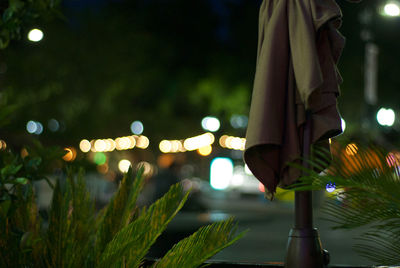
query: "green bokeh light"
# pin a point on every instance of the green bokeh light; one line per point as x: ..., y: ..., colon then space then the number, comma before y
x: 100, y: 158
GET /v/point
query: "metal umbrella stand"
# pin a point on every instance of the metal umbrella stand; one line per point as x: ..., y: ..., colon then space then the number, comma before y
x: 304, y: 249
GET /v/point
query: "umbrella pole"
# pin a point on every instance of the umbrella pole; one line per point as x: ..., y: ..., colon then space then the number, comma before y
x: 304, y: 249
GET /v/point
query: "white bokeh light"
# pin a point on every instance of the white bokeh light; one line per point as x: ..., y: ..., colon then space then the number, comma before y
x: 124, y: 165
x: 392, y: 9
x: 385, y: 117
x: 221, y: 172
x: 210, y: 123
x: 35, y: 35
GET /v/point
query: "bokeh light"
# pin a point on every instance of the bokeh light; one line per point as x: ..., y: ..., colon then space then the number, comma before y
x: 392, y: 9
x: 110, y: 145
x: 31, y: 126
x: 137, y: 127
x: 103, y: 169
x: 165, y: 146
x: 234, y: 143
x: 34, y: 127
x: 142, y: 142
x: 124, y: 165
x: 351, y: 149
x: 197, y: 142
x: 385, y: 117
x: 393, y: 159
x: 124, y: 143
x: 165, y: 160
x: 24, y: 152
x: 85, y: 146
x: 35, y: 35
x: 53, y: 125
x: 210, y: 123
x: 3, y: 145
x: 239, y: 121
x: 99, y: 158
x: 100, y: 145
x: 204, y: 151
x: 70, y: 154
x: 330, y: 187
x: 148, y: 168
x: 221, y: 172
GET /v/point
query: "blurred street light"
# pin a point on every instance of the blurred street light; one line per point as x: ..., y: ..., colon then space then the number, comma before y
x: 221, y: 172
x: 385, y: 117
x: 35, y: 35
x: 34, y: 127
x: 137, y: 127
x: 210, y: 123
x: 124, y: 165
x: 392, y: 9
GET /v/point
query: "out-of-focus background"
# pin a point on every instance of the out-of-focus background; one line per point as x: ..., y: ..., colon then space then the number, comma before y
x: 167, y: 84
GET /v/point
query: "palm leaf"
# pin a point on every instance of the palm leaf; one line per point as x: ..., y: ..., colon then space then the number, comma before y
x: 82, y: 219
x: 371, y: 198
x: 202, y: 245
x: 58, y: 230
x: 118, y: 212
x: 379, y: 246
x: 70, y: 223
x: 133, y: 241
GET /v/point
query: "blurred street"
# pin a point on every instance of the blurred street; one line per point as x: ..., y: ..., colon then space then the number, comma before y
x: 269, y: 224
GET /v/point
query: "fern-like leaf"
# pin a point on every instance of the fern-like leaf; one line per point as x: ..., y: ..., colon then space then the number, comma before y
x: 132, y: 242
x: 200, y: 246
x: 370, y: 192
x: 117, y: 214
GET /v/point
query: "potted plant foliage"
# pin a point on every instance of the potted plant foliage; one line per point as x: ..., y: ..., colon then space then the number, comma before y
x: 76, y: 235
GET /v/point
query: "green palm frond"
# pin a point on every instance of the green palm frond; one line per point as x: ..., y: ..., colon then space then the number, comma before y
x: 380, y: 246
x: 202, y: 245
x: 133, y: 241
x: 118, y: 212
x: 70, y: 224
x: 82, y: 220
x: 368, y: 185
x: 57, y: 232
x: 76, y: 236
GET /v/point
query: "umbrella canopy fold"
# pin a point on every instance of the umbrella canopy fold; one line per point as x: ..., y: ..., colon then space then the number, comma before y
x: 299, y: 46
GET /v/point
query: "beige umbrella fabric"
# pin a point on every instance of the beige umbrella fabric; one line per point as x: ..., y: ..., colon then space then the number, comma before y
x: 298, y: 49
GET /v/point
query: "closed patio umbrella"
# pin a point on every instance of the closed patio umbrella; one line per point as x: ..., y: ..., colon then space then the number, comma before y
x: 294, y: 101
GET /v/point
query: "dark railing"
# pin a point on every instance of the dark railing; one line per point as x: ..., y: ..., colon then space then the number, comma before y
x: 224, y: 264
